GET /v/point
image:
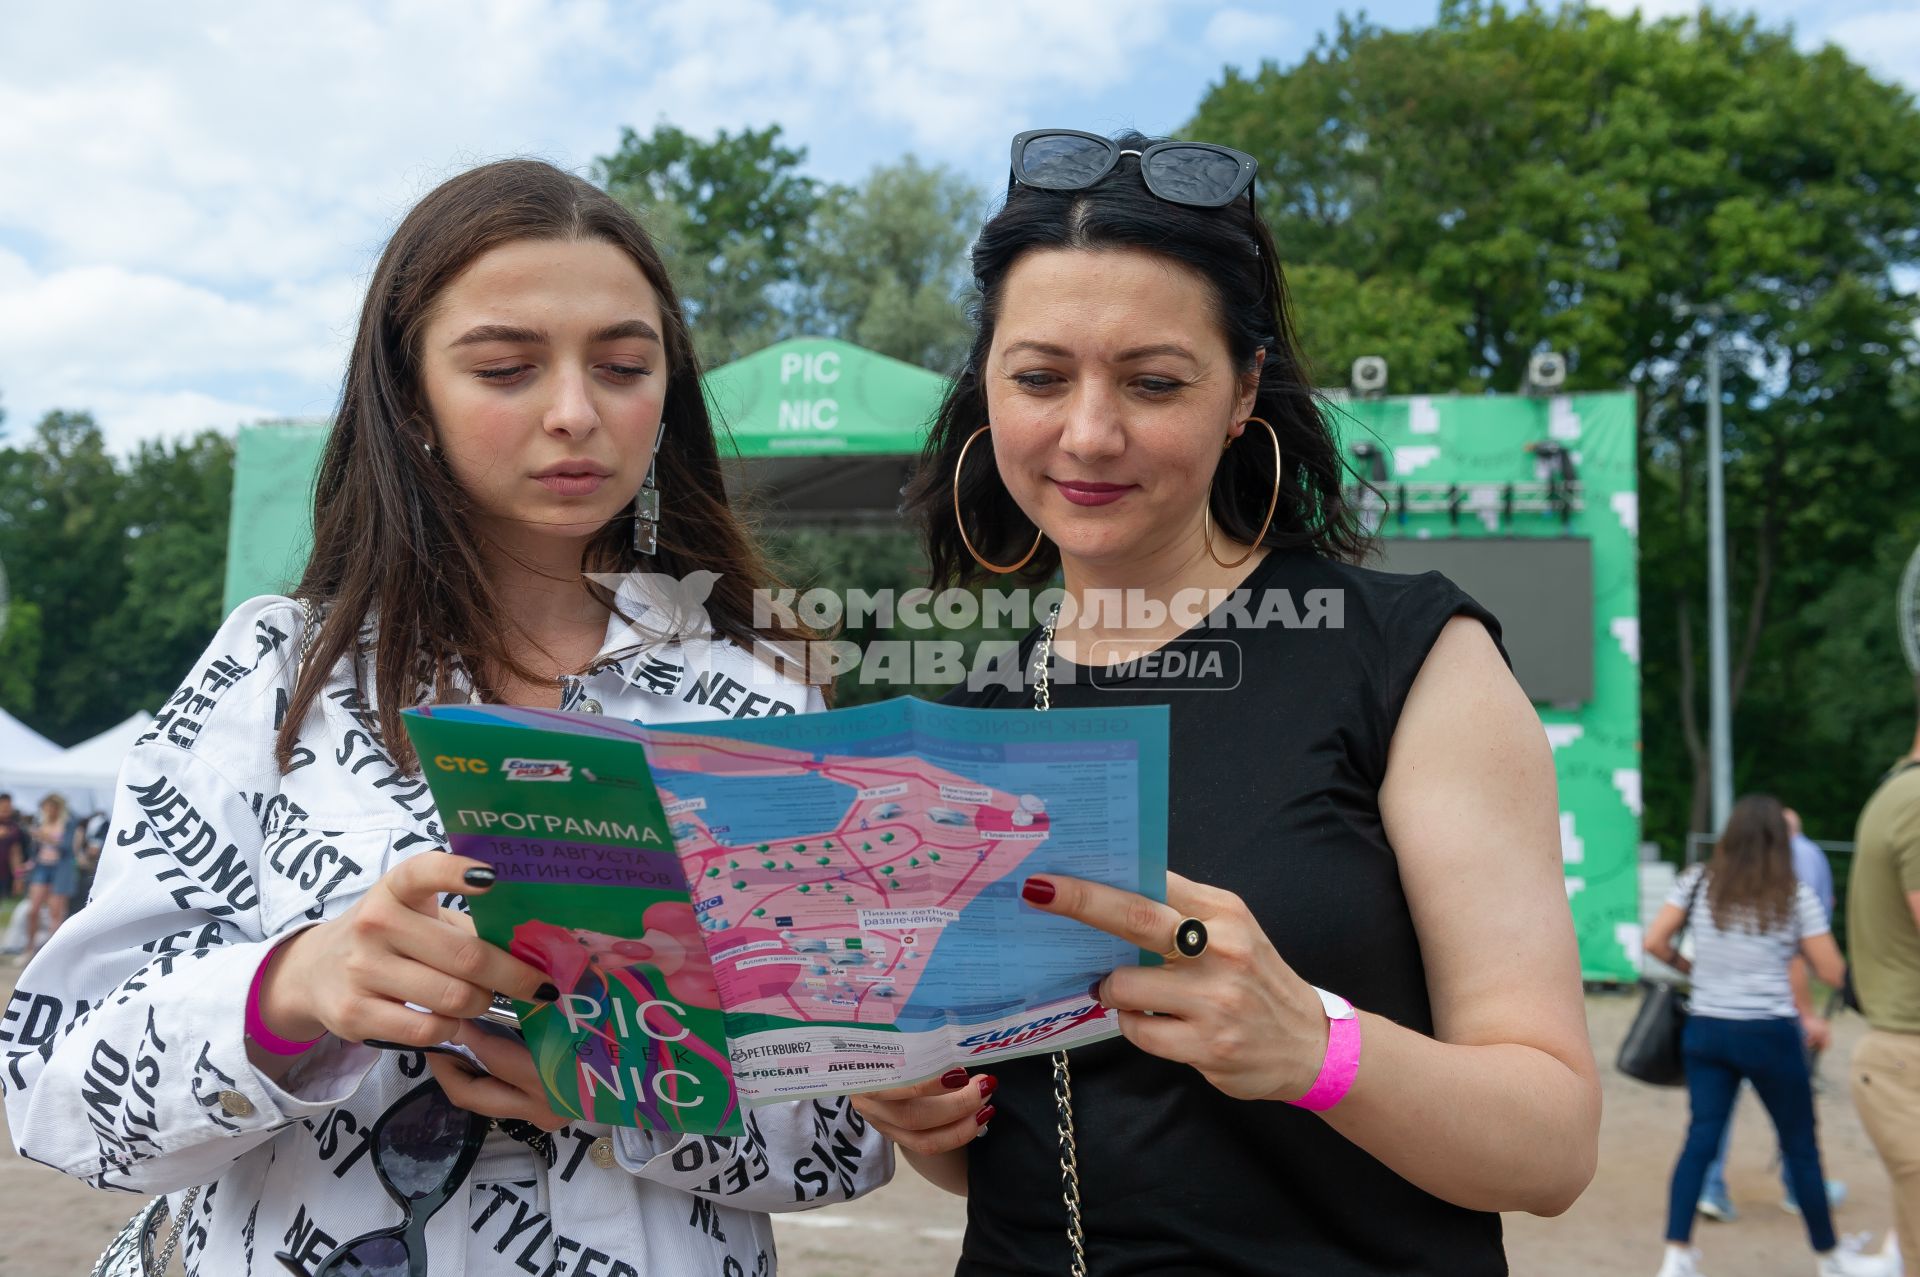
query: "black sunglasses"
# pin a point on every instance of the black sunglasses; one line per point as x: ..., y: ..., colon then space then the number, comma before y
x: 1199, y: 174
x: 423, y: 1148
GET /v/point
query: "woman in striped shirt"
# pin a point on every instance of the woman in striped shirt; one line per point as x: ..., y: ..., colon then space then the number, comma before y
x: 1750, y: 915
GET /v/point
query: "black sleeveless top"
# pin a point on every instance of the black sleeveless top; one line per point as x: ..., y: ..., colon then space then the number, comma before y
x: 1273, y: 795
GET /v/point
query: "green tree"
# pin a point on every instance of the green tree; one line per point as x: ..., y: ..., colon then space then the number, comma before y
x: 1340, y: 317
x: 731, y: 216
x: 19, y: 658
x: 887, y: 263
x: 177, y: 496
x: 1513, y: 180
x: 62, y: 534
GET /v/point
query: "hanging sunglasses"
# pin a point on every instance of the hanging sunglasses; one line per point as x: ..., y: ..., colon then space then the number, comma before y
x: 1199, y: 174
x: 423, y: 1148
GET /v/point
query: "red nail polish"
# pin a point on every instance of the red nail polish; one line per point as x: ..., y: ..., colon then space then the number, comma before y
x: 984, y: 1116
x: 988, y: 1084
x: 954, y: 1079
x: 1037, y: 891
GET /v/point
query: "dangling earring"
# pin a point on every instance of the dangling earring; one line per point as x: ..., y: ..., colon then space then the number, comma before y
x: 1206, y: 511
x: 427, y: 446
x: 646, y: 503
x: 962, y: 523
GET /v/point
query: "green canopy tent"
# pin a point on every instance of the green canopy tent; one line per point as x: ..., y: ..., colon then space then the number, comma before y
x: 822, y: 431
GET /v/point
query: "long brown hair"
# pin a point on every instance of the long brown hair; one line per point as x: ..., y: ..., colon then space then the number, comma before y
x: 1233, y: 251
x: 1750, y: 879
x: 394, y: 535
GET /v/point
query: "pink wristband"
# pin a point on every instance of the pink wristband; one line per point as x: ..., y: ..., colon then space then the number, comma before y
x: 1342, y: 1062
x: 257, y: 1031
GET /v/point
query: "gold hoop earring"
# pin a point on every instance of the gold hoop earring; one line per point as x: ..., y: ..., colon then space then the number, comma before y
x: 961, y: 523
x: 1206, y: 511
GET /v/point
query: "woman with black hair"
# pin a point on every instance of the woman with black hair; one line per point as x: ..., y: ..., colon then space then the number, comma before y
x: 1368, y: 1037
x: 1750, y: 916
x: 520, y: 483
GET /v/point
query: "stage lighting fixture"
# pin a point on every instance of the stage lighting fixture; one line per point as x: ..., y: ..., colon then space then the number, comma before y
x: 1560, y: 475
x: 1559, y: 460
x: 1546, y: 372
x: 1370, y: 375
x: 1374, y: 458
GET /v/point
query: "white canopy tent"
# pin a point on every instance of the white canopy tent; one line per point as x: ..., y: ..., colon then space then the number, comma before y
x: 21, y: 748
x: 83, y: 775
x: 20, y: 745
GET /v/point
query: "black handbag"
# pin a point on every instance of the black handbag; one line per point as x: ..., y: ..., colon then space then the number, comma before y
x: 1651, y: 1050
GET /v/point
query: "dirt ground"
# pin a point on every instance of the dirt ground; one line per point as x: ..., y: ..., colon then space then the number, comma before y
x: 54, y: 1227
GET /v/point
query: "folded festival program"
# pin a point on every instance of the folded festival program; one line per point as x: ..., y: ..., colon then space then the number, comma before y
x: 747, y: 911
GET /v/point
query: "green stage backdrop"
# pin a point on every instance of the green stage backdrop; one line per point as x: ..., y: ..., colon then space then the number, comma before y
x: 809, y: 397
x: 817, y: 398
x: 1479, y: 443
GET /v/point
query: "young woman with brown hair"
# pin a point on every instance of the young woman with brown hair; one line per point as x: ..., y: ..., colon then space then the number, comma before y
x: 522, y: 414
x: 1750, y: 915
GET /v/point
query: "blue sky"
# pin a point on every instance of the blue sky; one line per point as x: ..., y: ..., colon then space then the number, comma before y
x: 191, y: 195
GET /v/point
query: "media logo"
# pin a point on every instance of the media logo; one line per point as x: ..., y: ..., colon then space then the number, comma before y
x: 537, y: 769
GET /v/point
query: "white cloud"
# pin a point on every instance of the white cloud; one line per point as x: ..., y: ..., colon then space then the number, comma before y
x: 1887, y: 40
x: 194, y: 193
x: 1243, y: 37
x: 957, y: 75
x: 129, y: 417
x: 140, y: 349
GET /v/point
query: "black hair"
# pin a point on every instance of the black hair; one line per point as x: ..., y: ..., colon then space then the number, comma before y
x: 1231, y: 249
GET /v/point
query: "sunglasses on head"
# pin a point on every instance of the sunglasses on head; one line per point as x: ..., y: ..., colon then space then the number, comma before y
x: 1198, y: 174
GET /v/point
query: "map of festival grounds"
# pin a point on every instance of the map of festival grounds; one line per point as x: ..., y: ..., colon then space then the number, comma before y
x: 913, y: 845
x: 740, y: 911
x: 862, y: 867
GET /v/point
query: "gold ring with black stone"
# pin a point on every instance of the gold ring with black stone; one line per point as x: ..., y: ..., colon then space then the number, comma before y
x: 1189, y: 940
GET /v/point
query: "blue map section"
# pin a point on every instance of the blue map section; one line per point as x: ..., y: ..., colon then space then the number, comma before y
x: 745, y: 809
x: 1099, y: 778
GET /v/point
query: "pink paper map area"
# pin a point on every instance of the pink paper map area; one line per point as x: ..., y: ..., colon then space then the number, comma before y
x: 839, y: 924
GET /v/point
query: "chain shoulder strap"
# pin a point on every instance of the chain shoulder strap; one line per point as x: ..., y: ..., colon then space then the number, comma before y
x: 173, y: 1238
x: 1062, y: 1073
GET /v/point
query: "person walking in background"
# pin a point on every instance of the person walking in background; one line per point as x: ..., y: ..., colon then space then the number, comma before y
x: 1749, y: 915
x: 1809, y: 862
x: 1809, y: 866
x: 51, y: 880
x: 13, y: 848
x: 1883, y: 903
x: 93, y: 840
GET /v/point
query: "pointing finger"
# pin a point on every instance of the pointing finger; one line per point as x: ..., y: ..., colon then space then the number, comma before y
x: 1140, y: 921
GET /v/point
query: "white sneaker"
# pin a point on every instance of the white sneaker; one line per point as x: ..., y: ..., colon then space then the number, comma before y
x: 1681, y: 1263
x: 1848, y: 1261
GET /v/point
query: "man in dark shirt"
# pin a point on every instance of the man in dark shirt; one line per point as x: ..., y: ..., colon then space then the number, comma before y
x: 1883, y: 936
x: 13, y: 848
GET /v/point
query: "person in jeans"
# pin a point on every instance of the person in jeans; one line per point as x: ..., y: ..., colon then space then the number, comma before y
x: 1883, y: 902
x: 1809, y: 866
x: 53, y: 877
x: 1750, y: 915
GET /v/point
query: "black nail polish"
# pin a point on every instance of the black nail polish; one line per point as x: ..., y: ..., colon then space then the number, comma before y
x: 546, y: 993
x: 479, y: 878
x: 1093, y: 991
